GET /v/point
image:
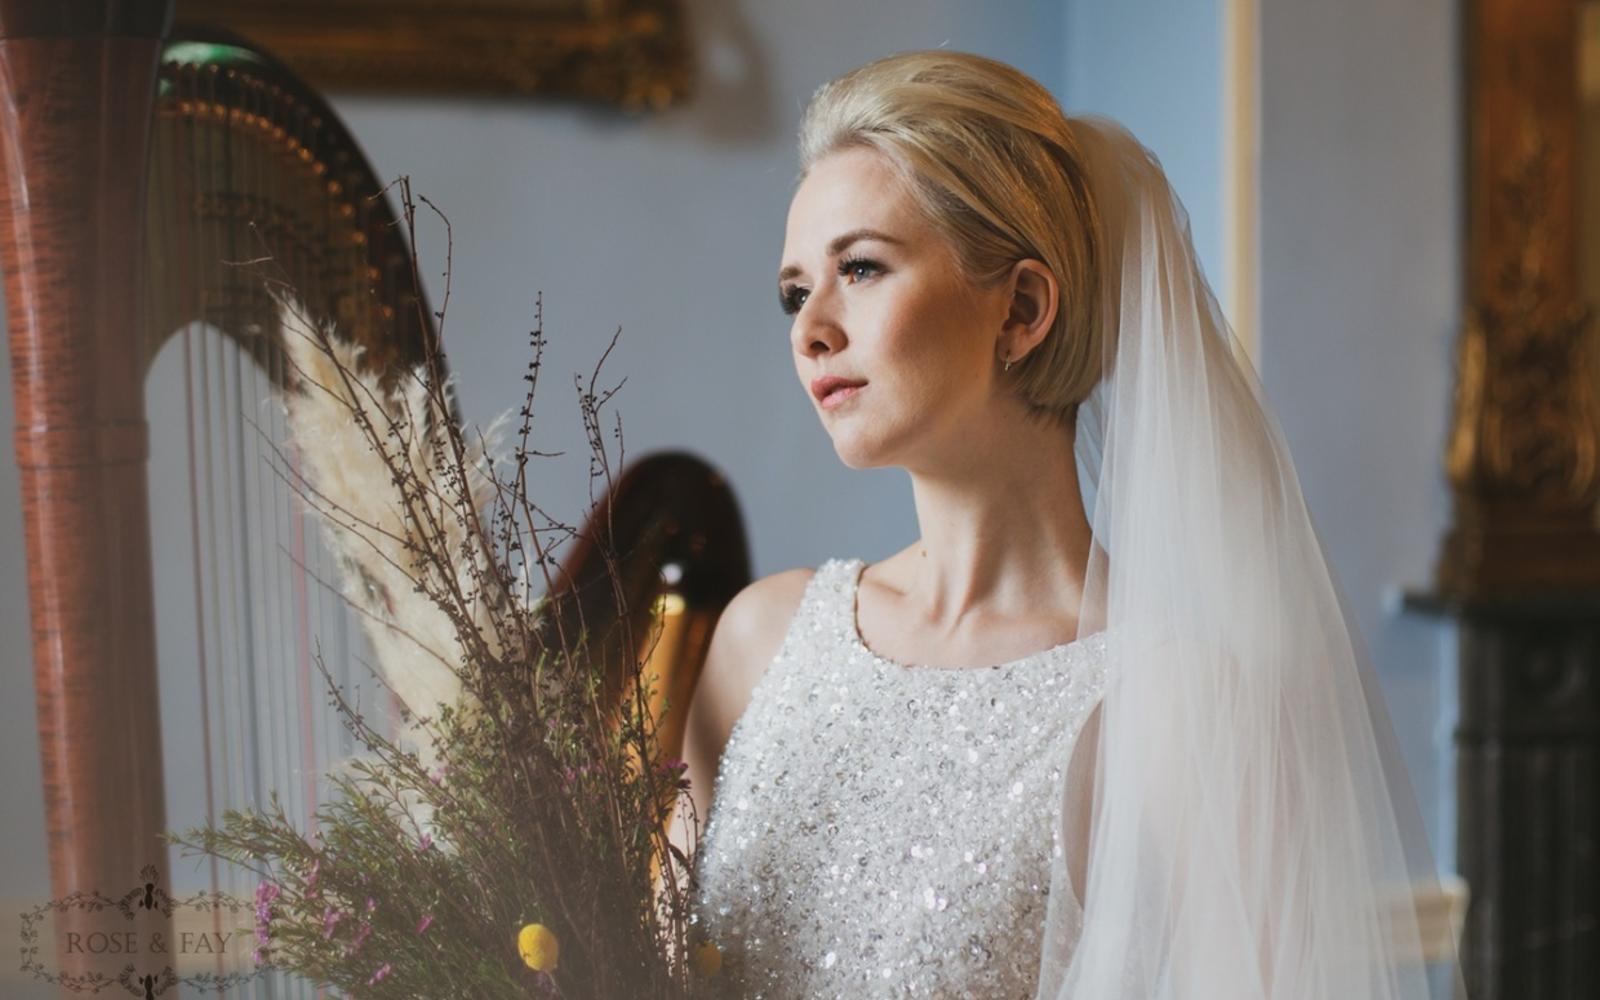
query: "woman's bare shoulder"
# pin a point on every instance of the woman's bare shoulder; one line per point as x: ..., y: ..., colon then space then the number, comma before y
x: 744, y: 642
x: 746, y: 639
x: 750, y: 630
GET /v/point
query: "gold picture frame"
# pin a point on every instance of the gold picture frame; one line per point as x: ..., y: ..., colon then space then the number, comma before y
x: 633, y: 54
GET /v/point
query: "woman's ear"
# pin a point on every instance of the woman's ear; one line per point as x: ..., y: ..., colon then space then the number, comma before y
x: 1035, y: 297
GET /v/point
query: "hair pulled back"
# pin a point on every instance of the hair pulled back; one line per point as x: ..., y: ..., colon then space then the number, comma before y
x: 993, y: 164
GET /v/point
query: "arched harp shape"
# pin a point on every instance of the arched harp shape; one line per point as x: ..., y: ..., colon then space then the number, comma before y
x: 153, y: 179
x: 675, y: 525
x: 253, y: 178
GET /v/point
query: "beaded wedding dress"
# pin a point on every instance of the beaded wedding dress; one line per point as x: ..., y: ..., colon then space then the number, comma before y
x: 878, y: 829
x: 1252, y: 833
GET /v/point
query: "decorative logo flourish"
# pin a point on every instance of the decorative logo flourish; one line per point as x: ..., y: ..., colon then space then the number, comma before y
x: 138, y: 976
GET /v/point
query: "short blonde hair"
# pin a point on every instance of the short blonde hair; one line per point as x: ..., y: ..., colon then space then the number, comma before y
x: 993, y: 163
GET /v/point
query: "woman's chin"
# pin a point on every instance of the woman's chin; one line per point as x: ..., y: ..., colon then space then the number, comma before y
x: 861, y: 455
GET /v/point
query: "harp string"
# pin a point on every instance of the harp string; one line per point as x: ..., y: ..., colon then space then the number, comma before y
x: 279, y: 199
x: 261, y: 595
x: 171, y: 296
x: 241, y: 214
x: 210, y: 247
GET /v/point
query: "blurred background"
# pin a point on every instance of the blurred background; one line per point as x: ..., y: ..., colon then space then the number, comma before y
x: 1322, y: 152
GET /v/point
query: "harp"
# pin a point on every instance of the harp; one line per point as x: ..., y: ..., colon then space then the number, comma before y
x: 173, y: 606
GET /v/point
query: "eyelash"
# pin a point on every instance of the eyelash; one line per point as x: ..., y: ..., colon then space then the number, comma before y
x: 789, y: 298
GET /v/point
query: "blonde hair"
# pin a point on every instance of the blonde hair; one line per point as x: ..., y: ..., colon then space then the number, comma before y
x: 992, y: 162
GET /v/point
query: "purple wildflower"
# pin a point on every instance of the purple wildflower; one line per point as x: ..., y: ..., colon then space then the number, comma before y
x: 266, y: 892
x: 380, y: 975
x: 360, y: 939
x: 425, y: 923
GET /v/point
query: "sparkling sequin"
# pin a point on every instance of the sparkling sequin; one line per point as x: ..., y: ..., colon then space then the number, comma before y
x: 884, y: 830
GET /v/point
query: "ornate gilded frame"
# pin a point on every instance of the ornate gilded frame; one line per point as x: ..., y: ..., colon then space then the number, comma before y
x: 629, y: 53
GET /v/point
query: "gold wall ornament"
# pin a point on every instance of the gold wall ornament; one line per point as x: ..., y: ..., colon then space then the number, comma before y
x: 1516, y: 577
x: 1523, y: 460
x: 1522, y: 427
x: 1518, y: 573
x: 1523, y: 457
x: 1524, y: 432
x: 634, y: 54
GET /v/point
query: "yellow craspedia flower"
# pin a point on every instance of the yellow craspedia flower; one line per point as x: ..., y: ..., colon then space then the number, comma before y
x: 538, y: 947
x: 706, y: 958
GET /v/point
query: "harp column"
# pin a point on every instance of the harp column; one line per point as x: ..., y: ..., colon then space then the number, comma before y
x: 76, y: 91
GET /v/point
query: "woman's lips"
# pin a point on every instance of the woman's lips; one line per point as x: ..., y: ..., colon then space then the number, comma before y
x: 838, y: 396
x: 831, y: 390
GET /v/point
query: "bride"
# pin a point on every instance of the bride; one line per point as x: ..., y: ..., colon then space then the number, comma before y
x: 1104, y: 730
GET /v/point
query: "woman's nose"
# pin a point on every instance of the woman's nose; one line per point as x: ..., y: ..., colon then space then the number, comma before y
x: 816, y: 329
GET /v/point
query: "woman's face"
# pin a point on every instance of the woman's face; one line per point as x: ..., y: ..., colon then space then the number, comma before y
x: 877, y: 299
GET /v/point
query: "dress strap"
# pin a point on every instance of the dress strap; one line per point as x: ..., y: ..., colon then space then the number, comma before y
x: 837, y: 597
x: 822, y: 622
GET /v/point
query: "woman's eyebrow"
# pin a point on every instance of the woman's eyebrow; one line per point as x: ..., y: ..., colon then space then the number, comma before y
x: 839, y: 245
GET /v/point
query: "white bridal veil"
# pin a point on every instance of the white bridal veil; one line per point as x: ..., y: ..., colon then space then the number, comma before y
x: 1253, y: 833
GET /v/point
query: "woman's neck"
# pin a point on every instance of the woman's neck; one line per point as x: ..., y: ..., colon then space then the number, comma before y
x: 1007, y: 535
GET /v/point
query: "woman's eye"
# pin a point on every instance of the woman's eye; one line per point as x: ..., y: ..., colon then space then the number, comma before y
x: 791, y: 299
x: 858, y: 267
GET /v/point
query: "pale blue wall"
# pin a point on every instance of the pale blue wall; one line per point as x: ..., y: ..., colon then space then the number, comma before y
x: 1359, y: 236
x: 1156, y: 66
x: 1360, y: 243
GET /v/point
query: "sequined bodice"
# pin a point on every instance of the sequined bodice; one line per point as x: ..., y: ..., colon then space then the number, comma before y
x: 885, y: 830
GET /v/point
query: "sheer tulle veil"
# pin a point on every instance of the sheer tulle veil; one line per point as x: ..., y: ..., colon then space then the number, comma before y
x: 1253, y: 833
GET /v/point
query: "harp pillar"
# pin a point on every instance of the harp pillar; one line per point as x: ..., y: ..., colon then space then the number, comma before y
x: 76, y: 89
